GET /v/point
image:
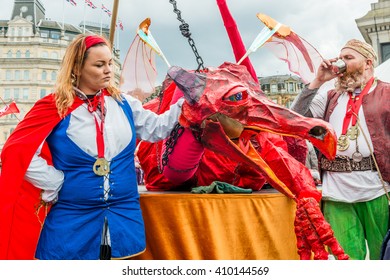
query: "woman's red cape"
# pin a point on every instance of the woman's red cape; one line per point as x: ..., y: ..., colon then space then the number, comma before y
x: 21, y: 216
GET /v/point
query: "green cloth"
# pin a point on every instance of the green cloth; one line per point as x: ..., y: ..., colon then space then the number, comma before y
x: 354, y: 223
x: 220, y: 187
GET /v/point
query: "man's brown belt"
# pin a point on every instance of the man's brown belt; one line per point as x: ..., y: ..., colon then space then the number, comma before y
x: 345, y: 164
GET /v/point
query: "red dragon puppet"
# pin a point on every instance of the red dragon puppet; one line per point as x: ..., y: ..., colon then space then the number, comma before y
x: 237, y: 125
x: 230, y: 132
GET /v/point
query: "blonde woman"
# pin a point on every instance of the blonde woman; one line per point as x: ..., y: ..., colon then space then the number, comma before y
x: 73, y: 156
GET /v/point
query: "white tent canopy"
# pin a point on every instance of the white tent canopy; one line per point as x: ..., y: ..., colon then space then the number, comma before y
x: 382, y: 71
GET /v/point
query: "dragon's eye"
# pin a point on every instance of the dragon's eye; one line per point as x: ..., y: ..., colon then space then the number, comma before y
x: 237, y: 94
x: 236, y: 97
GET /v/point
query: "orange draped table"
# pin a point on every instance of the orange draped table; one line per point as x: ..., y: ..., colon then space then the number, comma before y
x: 189, y: 226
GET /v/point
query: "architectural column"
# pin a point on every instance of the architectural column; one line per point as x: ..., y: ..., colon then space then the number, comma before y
x: 375, y: 28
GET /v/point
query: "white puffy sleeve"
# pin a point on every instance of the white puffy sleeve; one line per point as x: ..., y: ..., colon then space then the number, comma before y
x: 44, y: 176
x: 150, y: 126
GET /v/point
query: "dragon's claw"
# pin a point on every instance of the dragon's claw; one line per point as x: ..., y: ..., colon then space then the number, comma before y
x: 314, y: 233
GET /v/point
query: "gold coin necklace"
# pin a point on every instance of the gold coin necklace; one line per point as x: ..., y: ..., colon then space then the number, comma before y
x: 101, y: 167
x: 351, y: 114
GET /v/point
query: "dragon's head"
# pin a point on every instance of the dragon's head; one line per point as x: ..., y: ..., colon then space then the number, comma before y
x: 226, y: 105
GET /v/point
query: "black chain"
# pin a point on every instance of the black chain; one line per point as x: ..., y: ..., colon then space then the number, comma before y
x: 185, y: 31
x: 176, y: 132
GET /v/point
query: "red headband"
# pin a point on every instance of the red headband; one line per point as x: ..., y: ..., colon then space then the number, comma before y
x: 93, y: 40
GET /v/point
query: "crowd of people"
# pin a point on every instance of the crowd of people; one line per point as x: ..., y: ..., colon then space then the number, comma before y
x: 80, y: 161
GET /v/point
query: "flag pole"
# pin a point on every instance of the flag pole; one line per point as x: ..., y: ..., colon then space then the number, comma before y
x: 101, y: 17
x: 63, y: 15
x: 113, y: 21
x: 117, y: 38
x: 84, y: 17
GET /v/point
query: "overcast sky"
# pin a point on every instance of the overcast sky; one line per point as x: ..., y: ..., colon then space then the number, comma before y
x: 326, y: 24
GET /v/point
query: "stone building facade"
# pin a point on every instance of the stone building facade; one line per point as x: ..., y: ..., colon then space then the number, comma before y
x: 281, y: 89
x: 31, y: 50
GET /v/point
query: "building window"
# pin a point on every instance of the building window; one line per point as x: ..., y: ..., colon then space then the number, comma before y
x: 44, y: 75
x: 9, y: 54
x: 18, y: 54
x: 17, y: 75
x: 55, y: 35
x: 265, y: 87
x: 274, y: 88
x: 44, y: 54
x: 53, y: 75
x: 16, y: 93
x: 54, y: 55
x: 26, y: 75
x: 5, y: 135
x: 7, y: 93
x: 8, y: 75
x: 20, y: 32
x: 290, y: 87
x: 27, y: 54
x: 385, y: 50
x: 43, y: 92
x: 45, y: 36
x: 25, y: 93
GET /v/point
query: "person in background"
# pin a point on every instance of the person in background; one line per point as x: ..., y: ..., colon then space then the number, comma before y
x: 73, y: 154
x: 312, y: 163
x: 355, y: 185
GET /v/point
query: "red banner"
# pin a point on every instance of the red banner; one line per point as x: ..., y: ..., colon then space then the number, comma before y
x: 9, y: 109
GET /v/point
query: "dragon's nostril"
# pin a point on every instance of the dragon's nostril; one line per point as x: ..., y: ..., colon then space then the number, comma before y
x: 318, y: 132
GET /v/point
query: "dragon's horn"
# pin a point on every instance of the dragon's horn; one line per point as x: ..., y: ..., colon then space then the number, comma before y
x: 191, y: 84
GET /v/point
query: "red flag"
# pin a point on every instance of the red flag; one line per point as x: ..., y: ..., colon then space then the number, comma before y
x: 73, y: 2
x: 89, y: 3
x: 106, y: 10
x: 9, y: 109
x: 120, y: 24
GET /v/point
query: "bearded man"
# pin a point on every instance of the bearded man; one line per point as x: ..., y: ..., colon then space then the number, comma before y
x: 355, y: 185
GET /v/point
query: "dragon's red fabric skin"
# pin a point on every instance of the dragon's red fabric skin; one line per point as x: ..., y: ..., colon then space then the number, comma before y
x: 221, y: 101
